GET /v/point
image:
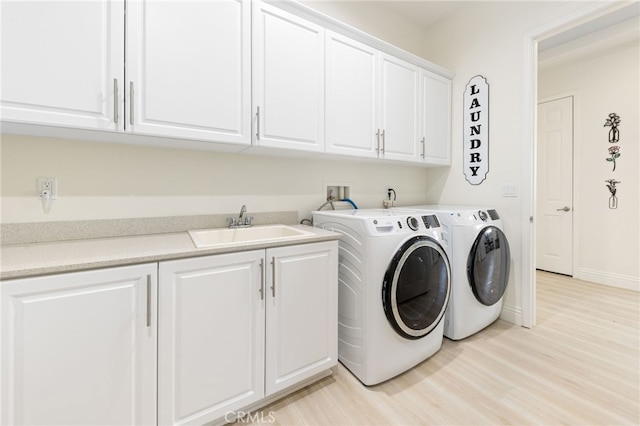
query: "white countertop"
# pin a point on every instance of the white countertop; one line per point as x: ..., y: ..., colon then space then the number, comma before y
x: 26, y: 260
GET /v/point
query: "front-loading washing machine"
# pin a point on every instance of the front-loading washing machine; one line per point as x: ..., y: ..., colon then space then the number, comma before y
x: 394, y: 286
x: 480, y: 262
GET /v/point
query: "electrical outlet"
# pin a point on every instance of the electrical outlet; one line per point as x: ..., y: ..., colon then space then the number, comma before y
x: 47, y: 188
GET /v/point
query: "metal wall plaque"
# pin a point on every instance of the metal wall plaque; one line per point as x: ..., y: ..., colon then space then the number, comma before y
x: 476, y: 130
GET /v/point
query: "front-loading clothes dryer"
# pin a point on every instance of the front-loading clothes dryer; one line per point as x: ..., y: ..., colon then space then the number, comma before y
x: 394, y: 286
x: 480, y: 262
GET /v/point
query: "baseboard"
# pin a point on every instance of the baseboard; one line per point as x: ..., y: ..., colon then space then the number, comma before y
x: 613, y: 280
x: 512, y: 314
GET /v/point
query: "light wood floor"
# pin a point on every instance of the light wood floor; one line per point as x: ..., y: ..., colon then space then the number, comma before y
x: 579, y: 366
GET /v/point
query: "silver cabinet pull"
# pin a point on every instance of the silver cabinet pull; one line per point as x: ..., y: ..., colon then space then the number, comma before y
x: 564, y: 209
x: 378, y: 140
x: 149, y: 300
x: 423, y: 148
x: 131, y: 103
x: 258, y: 123
x: 273, y: 276
x: 383, y: 141
x: 261, y: 279
x: 115, y: 100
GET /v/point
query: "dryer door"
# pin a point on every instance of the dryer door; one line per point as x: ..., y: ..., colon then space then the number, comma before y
x: 416, y: 287
x: 488, y: 265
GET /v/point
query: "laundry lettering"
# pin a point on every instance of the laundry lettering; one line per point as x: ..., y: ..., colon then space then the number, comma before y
x: 476, y: 150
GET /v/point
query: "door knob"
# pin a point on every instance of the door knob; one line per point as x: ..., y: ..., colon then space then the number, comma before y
x: 564, y: 209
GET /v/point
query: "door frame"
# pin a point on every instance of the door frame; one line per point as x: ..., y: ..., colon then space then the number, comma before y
x: 589, y: 12
x: 575, y: 183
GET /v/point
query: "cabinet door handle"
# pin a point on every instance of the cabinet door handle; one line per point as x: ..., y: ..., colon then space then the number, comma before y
x: 131, y: 103
x: 261, y: 279
x: 423, y: 148
x: 149, y: 300
x: 378, y: 140
x: 383, y: 141
x: 115, y: 100
x: 258, y: 123
x: 273, y: 277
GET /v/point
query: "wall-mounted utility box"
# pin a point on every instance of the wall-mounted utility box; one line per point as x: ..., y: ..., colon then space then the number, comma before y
x: 336, y: 191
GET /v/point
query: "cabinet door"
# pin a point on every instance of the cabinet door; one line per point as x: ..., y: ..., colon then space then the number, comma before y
x: 63, y: 63
x: 352, y: 87
x: 80, y: 348
x: 211, y: 342
x: 302, y: 318
x: 188, y: 69
x: 399, y: 93
x: 288, y: 76
x: 435, y: 118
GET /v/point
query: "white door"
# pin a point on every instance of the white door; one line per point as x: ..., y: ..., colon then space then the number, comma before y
x: 554, y: 228
x: 211, y: 340
x: 302, y: 313
x: 63, y: 63
x: 288, y: 80
x: 435, y: 118
x: 352, y: 87
x: 80, y: 348
x: 188, y: 69
x: 399, y: 93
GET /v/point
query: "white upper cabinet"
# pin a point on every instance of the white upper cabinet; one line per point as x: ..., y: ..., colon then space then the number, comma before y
x: 352, y: 104
x: 399, y: 94
x: 435, y: 118
x: 63, y: 63
x: 188, y: 69
x: 288, y: 80
x: 229, y: 74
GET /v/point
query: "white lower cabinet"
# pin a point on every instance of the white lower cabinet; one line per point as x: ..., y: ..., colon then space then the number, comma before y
x: 302, y: 313
x: 189, y: 341
x: 211, y: 340
x: 237, y: 328
x: 80, y: 348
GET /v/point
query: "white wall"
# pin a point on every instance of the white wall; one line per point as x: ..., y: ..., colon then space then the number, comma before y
x: 101, y: 180
x: 608, y: 242
x: 493, y: 39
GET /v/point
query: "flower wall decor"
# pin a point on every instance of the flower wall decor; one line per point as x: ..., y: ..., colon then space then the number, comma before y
x: 613, y: 121
x: 614, y: 152
x: 613, y: 200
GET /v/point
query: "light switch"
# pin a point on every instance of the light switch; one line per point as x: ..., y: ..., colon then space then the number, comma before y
x: 510, y: 190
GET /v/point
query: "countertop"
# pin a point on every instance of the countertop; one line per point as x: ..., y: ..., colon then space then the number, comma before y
x: 27, y: 260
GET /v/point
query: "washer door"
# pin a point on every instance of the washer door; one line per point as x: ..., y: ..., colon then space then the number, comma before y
x: 488, y: 265
x: 416, y: 287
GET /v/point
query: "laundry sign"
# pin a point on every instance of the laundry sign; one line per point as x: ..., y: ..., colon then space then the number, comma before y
x: 476, y: 130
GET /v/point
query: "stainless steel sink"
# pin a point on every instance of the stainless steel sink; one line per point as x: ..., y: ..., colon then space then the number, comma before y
x: 224, y: 237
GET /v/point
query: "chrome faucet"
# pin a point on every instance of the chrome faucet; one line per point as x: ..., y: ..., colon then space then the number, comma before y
x: 241, y: 221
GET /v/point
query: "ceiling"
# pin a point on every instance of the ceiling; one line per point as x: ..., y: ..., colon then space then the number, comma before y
x: 424, y: 13
x: 618, y: 27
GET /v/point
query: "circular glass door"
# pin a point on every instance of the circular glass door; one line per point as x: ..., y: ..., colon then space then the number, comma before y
x: 488, y: 265
x: 416, y: 287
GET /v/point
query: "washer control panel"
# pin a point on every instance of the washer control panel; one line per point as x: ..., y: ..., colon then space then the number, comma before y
x: 407, y: 224
x: 413, y: 223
